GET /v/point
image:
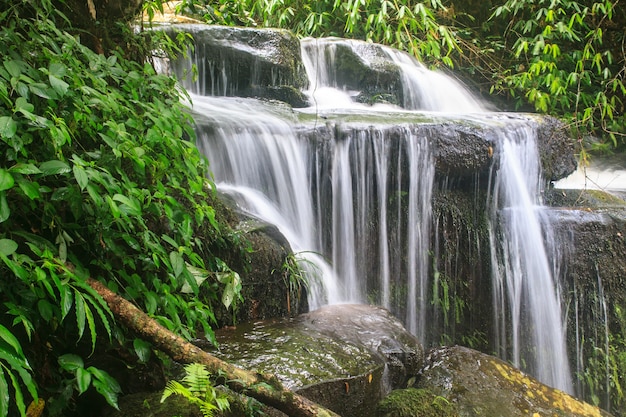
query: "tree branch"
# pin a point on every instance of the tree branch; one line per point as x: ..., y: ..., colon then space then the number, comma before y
x: 265, y: 388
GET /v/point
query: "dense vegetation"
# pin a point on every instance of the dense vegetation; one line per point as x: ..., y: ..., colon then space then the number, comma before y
x: 99, y: 177
x: 561, y: 57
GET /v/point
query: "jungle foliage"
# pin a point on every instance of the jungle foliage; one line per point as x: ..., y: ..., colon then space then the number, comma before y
x: 561, y: 57
x: 99, y: 177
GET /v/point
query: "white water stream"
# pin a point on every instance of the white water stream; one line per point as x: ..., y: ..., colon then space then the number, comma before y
x: 338, y: 201
x: 525, y: 288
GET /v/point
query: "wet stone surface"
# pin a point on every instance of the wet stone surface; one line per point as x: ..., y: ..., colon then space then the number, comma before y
x: 346, y: 357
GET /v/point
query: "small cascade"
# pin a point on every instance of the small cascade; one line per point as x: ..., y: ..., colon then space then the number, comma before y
x: 257, y: 158
x: 379, y: 202
x: 525, y: 293
x: 329, y: 66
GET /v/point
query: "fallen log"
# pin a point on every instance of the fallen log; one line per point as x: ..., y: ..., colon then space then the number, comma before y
x: 264, y: 388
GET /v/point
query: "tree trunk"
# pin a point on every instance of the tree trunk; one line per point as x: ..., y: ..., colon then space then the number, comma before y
x: 265, y: 388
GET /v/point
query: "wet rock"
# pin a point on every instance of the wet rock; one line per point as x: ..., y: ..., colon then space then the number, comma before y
x: 346, y: 357
x: 556, y: 149
x: 461, y: 148
x: 266, y: 288
x: 482, y: 385
x: 363, y: 67
x: 244, y: 62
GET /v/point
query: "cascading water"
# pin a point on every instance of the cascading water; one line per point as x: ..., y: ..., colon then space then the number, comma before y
x: 359, y: 194
x: 524, y: 288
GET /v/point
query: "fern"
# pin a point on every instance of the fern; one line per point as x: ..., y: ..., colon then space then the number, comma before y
x: 198, y: 390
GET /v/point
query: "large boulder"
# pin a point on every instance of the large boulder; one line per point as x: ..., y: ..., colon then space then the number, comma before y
x: 345, y: 357
x: 243, y: 62
x: 481, y: 385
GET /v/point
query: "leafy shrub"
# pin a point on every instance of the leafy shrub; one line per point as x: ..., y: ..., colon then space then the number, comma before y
x: 407, y: 25
x: 563, y: 57
x: 99, y: 177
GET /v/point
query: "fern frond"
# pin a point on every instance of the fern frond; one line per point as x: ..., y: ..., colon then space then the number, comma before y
x: 175, y: 387
x: 197, y: 379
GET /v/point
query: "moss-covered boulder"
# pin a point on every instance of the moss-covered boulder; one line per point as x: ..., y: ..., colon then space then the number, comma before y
x: 482, y: 385
x: 345, y: 357
x: 411, y: 402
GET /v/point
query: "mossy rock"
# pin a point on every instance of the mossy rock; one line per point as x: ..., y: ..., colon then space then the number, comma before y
x: 345, y: 357
x: 482, y: 385
x: 413, y: 402
x: 243, y: 62
x: 583, y: 199
x: 148, y: 404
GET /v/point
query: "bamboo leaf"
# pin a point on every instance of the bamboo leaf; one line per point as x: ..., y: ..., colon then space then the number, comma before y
x: 4, y: 394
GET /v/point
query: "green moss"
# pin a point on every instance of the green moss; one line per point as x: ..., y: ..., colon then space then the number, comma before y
x: 412, y: 402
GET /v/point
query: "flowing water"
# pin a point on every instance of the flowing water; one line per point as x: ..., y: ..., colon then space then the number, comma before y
x: 354, y: 199
x: 525, y: 287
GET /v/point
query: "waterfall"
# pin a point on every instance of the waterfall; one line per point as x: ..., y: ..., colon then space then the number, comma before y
x: 354, y: 197
x: 524, y: 288
x: 422, y: 89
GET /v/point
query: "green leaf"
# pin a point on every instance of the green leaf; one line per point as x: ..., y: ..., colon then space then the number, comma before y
x: 232, y: 289
x: 70, y: 362
x: 57, y: 69
x: 106, y: 385
x: 178, y: 264
x: 22, y: 105
x: 58, y: 85
x: 7, y: 247
x: 83, y: 380
x: 9, y: 338
x: 81, y: 176
x: 14, y: 67
x: 199, y: 275
x: 8, y: 127
x: 17, y: 392
x: 4, y: 395
x: 26, y: 169
x: 92, y: 327
x: 54, y: 167
x: 29, y: 188
x: 5, y: 212
x: 67, y: 300
x: 80, y: 313
x: 143, y: 350
x: 129, y: 205
x: 41, y: 90
x: 45, y: 309
x: 6, y: 180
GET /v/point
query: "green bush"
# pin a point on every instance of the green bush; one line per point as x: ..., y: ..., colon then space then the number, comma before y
x: 563, y: 57
x: 99, y: 177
